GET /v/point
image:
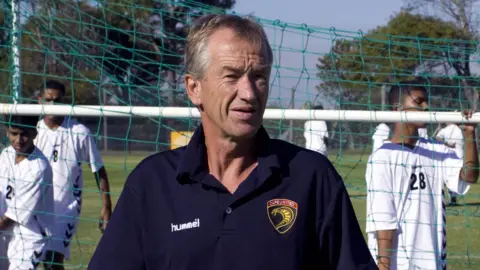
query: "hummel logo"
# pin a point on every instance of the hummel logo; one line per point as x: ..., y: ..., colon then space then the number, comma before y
x: 186, y: 226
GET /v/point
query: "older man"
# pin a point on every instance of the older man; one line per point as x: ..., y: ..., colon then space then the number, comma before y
x: 232, y: 198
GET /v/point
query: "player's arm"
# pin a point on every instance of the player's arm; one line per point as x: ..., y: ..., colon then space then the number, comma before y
x: 341, y: 241
x: 440, y: 139
x: 385, y: 247
x: 5, y: 223
x: 93, y: 157
x: 103, y: 185
x: 470, y: 170
x: 381, y: 209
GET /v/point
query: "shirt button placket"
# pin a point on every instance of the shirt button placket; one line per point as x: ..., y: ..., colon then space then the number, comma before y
x: 228, y: 210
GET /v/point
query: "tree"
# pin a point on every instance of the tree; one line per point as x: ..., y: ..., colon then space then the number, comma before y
x: 409, y: 45
x: 154, y: 37
x: 464, y: 14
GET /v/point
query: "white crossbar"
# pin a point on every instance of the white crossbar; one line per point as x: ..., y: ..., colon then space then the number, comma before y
x: 272, y: 114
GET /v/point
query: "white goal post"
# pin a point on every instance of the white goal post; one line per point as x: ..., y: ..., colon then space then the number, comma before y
x: 270, y: 114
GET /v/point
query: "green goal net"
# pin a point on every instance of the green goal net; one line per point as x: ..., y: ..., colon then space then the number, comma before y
x: 130, y: 53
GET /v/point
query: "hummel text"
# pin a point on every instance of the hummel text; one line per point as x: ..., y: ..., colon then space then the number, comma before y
x: 186, y: 226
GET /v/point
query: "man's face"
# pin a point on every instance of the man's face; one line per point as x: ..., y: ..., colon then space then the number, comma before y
x: 415, y: 100
x: 234, y: 90
x: 51, y: 96
x: 21, y: 139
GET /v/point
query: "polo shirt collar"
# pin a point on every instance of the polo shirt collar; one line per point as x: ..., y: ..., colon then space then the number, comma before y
x: 193, y: 164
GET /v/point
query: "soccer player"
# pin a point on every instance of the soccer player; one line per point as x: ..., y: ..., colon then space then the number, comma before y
x: 316, y: 134
x: 233, y: 198
x: 452, y: 136
x: 67, y: 144
x: 26, y: 184
x: 405, y: 179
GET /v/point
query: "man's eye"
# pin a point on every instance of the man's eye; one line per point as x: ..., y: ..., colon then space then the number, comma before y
x: 231, y: 76
x: 260, y: 77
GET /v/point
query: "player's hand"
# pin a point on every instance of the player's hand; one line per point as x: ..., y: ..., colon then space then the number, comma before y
x: 468, y: 127
x: 105, y: 217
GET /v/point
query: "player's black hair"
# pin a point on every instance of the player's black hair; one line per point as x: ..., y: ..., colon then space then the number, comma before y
x: 53, y: 84
x: 23, y: 122
x: 318, y: 107
x: 403, y: 88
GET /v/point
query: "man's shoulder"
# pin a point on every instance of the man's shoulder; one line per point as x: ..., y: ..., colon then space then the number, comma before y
x: 38, y: 160
x: 438, y: 149
x: 6, y: 151
x: 387, y: 151
x: 296, y: 156
x: 76, y: 127
x: 164, y: 163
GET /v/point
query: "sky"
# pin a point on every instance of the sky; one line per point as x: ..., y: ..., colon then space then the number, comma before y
x: 346, y: 16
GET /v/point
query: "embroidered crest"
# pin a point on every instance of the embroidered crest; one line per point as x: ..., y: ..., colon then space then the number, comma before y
x: 282, y: 214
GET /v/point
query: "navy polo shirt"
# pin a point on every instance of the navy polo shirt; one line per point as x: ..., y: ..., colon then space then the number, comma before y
x: 292, y: 212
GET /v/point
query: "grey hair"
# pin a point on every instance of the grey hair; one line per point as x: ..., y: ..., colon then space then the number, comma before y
x: 196, y: 57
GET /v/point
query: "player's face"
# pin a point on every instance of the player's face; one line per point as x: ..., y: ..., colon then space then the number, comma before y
x: 416, y: 100
x: 21, y: 139
x: 234, y: 90
x: 51, y: 96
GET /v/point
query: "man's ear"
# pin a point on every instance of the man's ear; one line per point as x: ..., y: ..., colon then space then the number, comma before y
x: 194, y: 89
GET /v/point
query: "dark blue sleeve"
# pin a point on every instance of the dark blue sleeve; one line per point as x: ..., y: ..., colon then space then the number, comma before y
x: 120, y: 247
x: 342, y: 245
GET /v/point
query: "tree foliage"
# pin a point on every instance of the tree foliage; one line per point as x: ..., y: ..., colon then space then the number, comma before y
x: 130, y: 48
x: 408, y: 45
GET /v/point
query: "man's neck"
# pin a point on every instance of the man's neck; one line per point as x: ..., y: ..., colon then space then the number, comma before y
x: 230, y: 161
x: 53, y: 123
x: 21, y: 156
x: 227, y: 156
x: 405, y: 134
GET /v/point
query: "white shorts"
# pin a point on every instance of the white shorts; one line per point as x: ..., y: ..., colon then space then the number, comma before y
x: 26, y: 253
x: 62, y: 234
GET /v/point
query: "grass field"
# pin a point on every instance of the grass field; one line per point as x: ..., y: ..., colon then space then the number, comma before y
x: 463, y: 221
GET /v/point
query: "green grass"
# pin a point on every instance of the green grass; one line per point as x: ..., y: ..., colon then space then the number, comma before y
x: 463, y: 221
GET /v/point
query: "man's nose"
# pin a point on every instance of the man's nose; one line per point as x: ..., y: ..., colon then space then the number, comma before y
x: 246, y: 88
x: 16, y: 140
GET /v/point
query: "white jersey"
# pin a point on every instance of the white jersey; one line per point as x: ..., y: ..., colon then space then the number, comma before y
x: 453, y: 135
x: 67, y: 148
x: 382, y: 131
x: 315, y: 133
x: 28, y: 197
x: 423, y: 133
x: 405, y: 193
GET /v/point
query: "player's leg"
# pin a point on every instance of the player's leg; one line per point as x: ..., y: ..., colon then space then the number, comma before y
x: 53, y: 261
x: 25, y: 253
x: 59, y: 250
x: 453, y: 197
x: 4, y: 239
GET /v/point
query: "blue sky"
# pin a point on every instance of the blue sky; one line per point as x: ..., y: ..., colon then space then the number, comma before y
x: 345, y: 14
x: 348, y: 16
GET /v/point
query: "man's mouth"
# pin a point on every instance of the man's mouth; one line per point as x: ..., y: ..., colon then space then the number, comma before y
x: 244, y: 112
